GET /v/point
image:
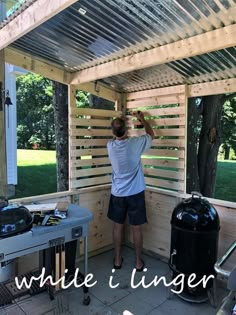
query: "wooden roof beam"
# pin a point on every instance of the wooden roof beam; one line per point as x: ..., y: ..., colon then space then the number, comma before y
x: 51, y: 72
x: 193, y: 90
x: 189, y: 47
x: 36, y: 14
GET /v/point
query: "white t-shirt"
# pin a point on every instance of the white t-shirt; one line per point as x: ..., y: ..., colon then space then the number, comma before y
x: 127, y: 171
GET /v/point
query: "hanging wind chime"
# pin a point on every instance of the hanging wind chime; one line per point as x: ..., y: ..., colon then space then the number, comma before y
x: 8, y: 102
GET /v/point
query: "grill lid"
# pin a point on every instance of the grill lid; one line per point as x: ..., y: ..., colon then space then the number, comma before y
x: 14, y: 220
x: 195, y: 214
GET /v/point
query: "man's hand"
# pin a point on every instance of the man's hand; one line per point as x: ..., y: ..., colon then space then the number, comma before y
x: 140, y: 116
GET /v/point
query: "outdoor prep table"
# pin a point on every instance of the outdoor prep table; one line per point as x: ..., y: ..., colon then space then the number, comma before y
x: 40, y: 238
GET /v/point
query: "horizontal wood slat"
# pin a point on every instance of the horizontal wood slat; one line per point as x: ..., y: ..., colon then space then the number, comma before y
x: 92, y: 171
x: 95, y: 112
x: 164, y: 173
x: 168, y: 142
x: 90, y: 181
x: 170, y: 111
x: 90, y: 162
x: 85, y: 152
x: 164, y: 183
x: 179, y: 121
x: 163, y: 162
x: 91, y: 122
x: 159, y: 132
x: 157, y: 92
x: 88, y: 142
x: 90, y: 132
x: 165, y: 153
x: 157, y: 100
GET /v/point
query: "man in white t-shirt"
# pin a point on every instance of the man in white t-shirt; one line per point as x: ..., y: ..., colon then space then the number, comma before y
x: 128, y: 185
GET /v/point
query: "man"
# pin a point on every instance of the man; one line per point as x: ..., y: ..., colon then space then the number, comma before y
x: 127, y: 193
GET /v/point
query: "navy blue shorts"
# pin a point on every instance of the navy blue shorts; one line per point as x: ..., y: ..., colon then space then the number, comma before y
x: 133, y: 205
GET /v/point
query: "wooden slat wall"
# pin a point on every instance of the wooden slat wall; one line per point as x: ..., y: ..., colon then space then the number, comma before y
x: 164, y: 163
x: 89, y: 133
x: 157, y: 232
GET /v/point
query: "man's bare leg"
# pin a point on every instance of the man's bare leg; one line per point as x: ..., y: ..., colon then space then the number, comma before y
x: 117, y: 238
x: 138, y: 244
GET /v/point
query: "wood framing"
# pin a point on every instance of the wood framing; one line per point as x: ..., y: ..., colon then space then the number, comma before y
x: 164, y: 163
x: 89, y: 132
x: 29, y: 63
x: 157, y: 233
x: 52, y: 72
x: 3, y: 161
x: 37, y: 13
x: 189, y: 47
x: 212, y: 88
x: 72, y: 104
x: 192, y: 90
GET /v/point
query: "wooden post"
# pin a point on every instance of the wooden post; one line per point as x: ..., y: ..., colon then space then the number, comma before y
x: 3, y: 160
x: 71, y: 104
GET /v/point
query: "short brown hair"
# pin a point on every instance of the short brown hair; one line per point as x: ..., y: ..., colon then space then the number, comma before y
x: 118, y: 127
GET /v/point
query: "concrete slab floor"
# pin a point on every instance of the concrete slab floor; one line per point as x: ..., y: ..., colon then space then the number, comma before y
x: 121, y: 300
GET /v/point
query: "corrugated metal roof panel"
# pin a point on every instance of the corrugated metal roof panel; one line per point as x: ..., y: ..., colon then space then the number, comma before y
x: 9, y: 9
x: 93, y: 32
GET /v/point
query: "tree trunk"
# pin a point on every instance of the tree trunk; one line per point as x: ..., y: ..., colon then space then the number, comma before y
x: 192, y: 145
x: 227, y: 150
x: 60, y: 105
x: 210, y: 140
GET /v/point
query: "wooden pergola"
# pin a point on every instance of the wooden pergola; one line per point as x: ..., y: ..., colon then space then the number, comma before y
x: 151, y: 72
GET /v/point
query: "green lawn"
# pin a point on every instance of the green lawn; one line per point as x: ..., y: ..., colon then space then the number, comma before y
x: 37, y: 175
x: 226, y: 181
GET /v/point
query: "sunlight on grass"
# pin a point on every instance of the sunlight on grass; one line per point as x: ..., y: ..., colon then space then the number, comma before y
x: 35, y: 157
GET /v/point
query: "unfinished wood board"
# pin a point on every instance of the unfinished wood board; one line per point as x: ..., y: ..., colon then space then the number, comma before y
x: 160, y: 122
x: 164, y: 173
x: 41, y: 207
x: 92, y: 171
x: 90, y: 181
x: 178, y: 89
x: 91, y: 161
x: 90, y: 132
x: 165, y: 153
x: 88, y: 142
x: 163, y: 162
x: 94, y: 112
x: 86, y: 152
x: 213, y: 40
x: 178, y: 186
x: 157, y: 100
x: 91, y: 122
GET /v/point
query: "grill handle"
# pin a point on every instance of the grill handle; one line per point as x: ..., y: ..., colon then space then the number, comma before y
x: 222, y: 260
x: 196, y: 193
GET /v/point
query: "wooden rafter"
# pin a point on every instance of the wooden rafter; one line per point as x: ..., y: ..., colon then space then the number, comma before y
x: 193, y: 90
x: 30, y: 64
x: 51, y: 72
x: 189, y: 47
x: 36, y: 14
x: 212, y: 88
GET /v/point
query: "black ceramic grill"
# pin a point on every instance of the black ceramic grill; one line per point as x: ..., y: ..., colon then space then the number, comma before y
x: 14, y: 220
x: 194, y: 243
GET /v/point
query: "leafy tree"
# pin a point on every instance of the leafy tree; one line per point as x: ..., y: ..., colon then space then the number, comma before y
x: 229, y: 127
x: 35, y: 112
